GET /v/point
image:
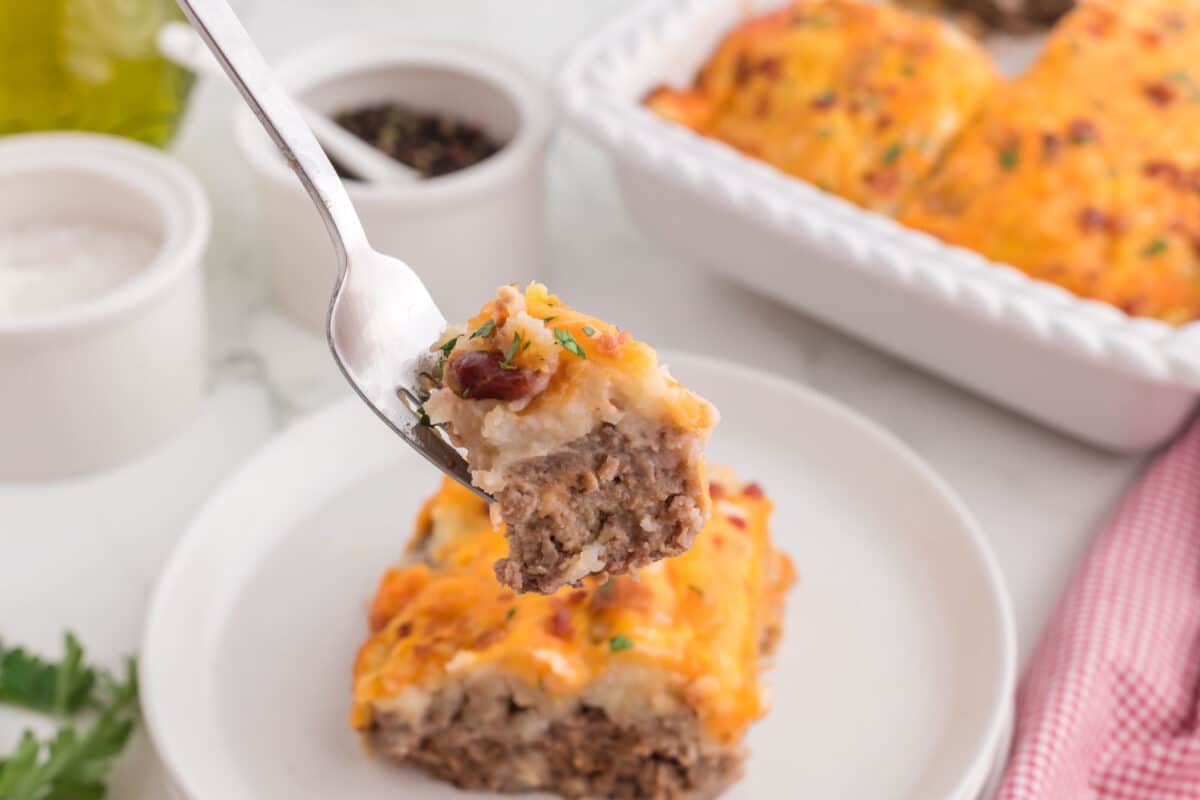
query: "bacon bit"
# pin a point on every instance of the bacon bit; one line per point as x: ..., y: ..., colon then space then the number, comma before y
x: 1093, y: 219
x: 718, y: 542
x: 404, y: 631
x: 715, y: 490
x: 742, y: 70
x: 576, y: 597
x: 753, y: 490
x: 884, y: 122
x: 771, y: 67
x: 1051, y: 146
x: 560, y: 624
x: 825, y: 100
x: 1162, y: 94
x: 738, y: 523
x: 1082, y: 131
x: 884, y: 181
x: 478, y: 374
x: 488, y: 638
x: 1164, y: 169
x: 610, y: 343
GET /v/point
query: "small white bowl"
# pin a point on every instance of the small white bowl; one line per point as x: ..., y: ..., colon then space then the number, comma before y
x: 96, y: 383
x: 463, y: 233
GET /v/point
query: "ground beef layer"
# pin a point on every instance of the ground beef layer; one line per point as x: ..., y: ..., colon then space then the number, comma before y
x: 639, y: 485
x: 495, y: 734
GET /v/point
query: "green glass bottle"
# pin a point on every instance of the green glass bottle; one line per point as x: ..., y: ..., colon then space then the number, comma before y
x: 89, y: 65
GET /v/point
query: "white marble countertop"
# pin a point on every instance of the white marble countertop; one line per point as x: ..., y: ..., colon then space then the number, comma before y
x: 84, y: 555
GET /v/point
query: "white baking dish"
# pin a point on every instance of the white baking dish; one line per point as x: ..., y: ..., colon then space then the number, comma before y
x: 1080, y: 366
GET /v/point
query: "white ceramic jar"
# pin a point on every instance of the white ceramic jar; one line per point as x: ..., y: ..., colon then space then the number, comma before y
x: 465, y: 233
x: 90, y: 384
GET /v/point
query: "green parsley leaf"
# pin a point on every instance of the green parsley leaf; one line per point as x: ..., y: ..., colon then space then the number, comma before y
x: 74, y: 764
x: 620, y: 642
x: 29, y: 681
x: 423, y: 417
x: 466, y: 392
x: 1155, y: 248
x: 893, y: 153
x: 512, y: 612
x: 485, y: 330
x: 448, y: 347
x: 513, y: 349
x: 1010, y: 157
x: 908, y: 70
x: 568, y: 342
x: 548, y: 320
x: 696, y: 589
x: 588, y: 330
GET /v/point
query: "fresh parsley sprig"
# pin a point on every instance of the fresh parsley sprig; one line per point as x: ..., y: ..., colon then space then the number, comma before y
x: 74, y: 764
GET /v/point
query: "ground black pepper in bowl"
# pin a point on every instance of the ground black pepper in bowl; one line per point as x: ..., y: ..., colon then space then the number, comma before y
x: 432, y: 144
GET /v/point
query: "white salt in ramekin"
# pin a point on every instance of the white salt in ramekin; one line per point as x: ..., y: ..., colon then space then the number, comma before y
x: 465, y: 233
x: 95, y: 384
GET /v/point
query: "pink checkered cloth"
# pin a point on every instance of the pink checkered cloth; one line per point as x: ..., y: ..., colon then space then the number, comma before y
x: 1108, y: 707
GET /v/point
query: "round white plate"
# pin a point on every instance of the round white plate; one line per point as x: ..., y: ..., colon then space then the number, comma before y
x: 894, y: 678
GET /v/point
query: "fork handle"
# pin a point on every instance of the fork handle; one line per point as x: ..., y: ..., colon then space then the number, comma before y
x: 233, y: 49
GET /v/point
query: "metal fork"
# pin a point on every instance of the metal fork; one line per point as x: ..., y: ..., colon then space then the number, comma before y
x: 381, y: 318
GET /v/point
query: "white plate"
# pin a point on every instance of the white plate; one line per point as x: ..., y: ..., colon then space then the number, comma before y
x: 894, y: 679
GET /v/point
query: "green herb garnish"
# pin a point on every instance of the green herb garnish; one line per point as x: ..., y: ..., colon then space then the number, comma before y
x: 588, y: 330
x: 892, y: 153
x: 28, y: 681
x: 1010, y: 157
x: 696, y: 589
x: 548, y: 320
x: 568, y: 342
x: 423, y: 418
x: 1155, y: 248
x: 512, y: 612
x: 448, y: 347
x: 466, y: 393
x: 513, y: 349
x: 485, y: 330
x: 620, y: 642
x: 73, y: 764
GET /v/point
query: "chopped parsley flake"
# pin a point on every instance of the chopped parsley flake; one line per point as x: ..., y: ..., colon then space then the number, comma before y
x: 908, y: 70
x: 448, y: 347
x: 892, y: 153
x: 513, y: 349
x: 466, y: 393
x: 696, y: 589
x: 1155, y: 248
x: 548, y: 320
x: 424, y: 418
x: 1010, y: 157
x: 620, y: 642
x: 568, y: 342
x: 512, y: 612
x: 485, y: 330
x: 588, y: 330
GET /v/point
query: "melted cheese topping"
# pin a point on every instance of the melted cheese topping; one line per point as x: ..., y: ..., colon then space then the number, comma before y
x: 858, y: 98
x: 597, y: 374
x: 1086, y: 171
x: 698, y: 621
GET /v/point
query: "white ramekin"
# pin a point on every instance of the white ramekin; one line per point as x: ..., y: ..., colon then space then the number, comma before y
x: 463, y: 233
x: 98, y: 383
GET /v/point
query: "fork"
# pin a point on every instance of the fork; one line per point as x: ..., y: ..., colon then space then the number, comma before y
x: 382, y: 319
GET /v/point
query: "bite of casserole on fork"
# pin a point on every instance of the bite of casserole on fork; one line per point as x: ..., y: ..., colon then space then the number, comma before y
x: 592, y: 451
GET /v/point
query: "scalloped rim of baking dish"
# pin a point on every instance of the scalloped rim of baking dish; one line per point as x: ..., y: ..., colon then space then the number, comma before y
x: 866, y: 241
